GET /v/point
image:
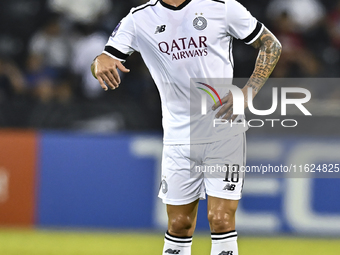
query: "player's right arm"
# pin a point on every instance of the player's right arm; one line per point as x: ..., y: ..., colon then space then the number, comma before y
x: 119, y: 47
x: 104, y: 69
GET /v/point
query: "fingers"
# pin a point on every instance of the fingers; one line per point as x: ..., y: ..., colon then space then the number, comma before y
x: 224, y: 100
x: 109, y: 81
x: 233, y: 118
x: 224, y: 109
x: 227, y: 112
x: 102, y: 84
x: 230, y: 116
x: 122, y: 68
x: 116, y: 77
x: 110, y: 77
x: 215, y: 106
x: 104, y: 68
x: 113, y: 78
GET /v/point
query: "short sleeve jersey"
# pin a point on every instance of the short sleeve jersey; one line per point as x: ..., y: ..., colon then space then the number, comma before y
x: 193, y: 40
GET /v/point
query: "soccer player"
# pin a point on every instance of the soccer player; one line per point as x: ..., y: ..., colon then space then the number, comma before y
x: 180, y: 40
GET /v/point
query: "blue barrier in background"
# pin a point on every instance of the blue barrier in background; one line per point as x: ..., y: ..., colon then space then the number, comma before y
x: 111, y: 181
x: 93, y: 181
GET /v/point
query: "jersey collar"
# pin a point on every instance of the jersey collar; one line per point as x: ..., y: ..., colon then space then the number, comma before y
x: 181, y: 6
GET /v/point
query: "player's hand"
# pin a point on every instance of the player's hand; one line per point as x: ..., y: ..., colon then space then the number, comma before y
x: 104, y: 69
x: 227, y: 109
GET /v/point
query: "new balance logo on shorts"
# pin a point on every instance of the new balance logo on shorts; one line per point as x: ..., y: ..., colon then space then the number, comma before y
x: 230, y: 187
x: 171, y: 251
x: 160, y: 29
x: 226, y: 253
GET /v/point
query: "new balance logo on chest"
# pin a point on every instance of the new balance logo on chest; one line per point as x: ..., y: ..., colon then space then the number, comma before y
x: 160, y: 29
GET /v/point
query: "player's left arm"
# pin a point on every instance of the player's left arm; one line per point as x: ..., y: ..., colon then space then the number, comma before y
x: 270, y: 50
x: 269, y: 53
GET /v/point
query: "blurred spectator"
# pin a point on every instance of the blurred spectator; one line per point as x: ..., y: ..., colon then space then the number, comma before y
x: 39, y: 79
x: 83, y: 11
x: 11, y: 80
x: 304, y: 13
x: 64, y: 90
x: 333, y: 26
x: 296, y: 60
x: 44, y: 84
x: 52, y: 45
x: 85, y: 49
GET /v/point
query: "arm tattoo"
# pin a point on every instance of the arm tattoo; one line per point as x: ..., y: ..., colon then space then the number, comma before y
x: 270, y: 51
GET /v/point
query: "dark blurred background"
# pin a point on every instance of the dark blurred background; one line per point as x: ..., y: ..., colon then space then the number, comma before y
x: 47, y: 46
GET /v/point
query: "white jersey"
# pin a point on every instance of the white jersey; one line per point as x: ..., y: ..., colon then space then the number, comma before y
x: 177, y: 44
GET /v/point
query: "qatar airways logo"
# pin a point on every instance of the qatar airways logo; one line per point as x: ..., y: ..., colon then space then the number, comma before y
x: 238, y: 104
x: 185, y: 47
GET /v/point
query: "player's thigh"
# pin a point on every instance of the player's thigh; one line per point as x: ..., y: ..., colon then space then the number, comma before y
x: 179, y: 186
x: 225, y: 161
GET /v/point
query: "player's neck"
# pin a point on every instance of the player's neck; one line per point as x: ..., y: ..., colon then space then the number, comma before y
x: 174, y: 3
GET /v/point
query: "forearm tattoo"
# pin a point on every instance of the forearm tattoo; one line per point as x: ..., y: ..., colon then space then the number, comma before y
x: 270, y: 51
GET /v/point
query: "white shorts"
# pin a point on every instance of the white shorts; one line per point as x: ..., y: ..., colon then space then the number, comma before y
x: 191, y: 171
